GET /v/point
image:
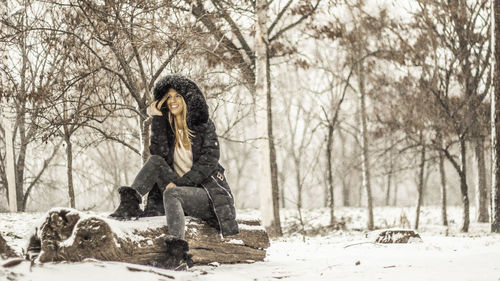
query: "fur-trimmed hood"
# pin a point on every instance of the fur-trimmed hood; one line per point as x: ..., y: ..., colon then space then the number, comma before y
x: 197, y: 108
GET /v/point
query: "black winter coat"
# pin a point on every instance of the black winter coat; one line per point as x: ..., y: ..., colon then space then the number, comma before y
x: 206, y: 171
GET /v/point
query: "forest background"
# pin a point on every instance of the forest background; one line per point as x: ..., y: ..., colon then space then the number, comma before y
x: 372, y: 102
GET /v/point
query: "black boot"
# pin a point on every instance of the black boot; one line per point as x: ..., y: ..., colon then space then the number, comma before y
x: 177, y: 256
x: 129, y: 204
x: 154, y: 205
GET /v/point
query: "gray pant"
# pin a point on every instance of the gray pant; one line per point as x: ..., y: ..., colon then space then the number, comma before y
x: 178, y: 200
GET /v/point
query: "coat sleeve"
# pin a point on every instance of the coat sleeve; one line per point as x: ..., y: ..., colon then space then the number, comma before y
x: 159, y: 140
x: 208, y: 161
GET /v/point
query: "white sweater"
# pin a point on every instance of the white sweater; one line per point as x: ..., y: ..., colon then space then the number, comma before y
x: 183, y: 160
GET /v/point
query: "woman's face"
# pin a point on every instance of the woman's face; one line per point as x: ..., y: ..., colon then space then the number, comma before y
x: 174, y: 102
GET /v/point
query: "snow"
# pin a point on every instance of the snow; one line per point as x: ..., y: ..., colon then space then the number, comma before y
x: 235, y: 241
x: 444, y: 254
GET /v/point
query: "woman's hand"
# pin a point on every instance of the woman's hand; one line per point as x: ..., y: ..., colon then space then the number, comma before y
x: 170, y: 185
x: 153, y: 111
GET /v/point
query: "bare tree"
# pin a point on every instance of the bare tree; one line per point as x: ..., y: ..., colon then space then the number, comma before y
x: 25, y: 83
x: 234, y: 52
x: 495, y: 121
x: 132, y: 42
x: 452, y: 50
x: 300, y: 122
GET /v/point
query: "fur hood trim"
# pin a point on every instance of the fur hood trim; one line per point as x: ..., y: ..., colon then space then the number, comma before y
x: 197, y: 108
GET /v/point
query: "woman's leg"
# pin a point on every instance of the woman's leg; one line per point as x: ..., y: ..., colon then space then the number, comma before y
x: 185, y: 199
x: 155, y: 170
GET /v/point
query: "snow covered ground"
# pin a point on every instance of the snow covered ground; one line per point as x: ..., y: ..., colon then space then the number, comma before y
x: 320, y: 254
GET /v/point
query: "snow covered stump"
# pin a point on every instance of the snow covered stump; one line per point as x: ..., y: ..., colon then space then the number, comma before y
x: 69, y: 235
x: 398, y: 236
x: 5, y: 249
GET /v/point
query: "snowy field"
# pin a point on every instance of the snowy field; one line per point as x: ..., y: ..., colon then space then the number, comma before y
x: 308, y: 252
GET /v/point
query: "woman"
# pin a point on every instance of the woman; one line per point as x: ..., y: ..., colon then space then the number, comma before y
x: 183, y: 165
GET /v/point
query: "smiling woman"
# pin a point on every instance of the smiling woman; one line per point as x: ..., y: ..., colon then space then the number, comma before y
x: 177, y: 107
x: 183, y: 174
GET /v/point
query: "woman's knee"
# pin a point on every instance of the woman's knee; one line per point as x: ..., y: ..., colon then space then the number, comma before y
x: 171, y: 193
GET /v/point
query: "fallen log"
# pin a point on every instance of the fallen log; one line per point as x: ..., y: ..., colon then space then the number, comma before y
x: 398, y: 236
x: 70, y: 235
x: 5, y: 250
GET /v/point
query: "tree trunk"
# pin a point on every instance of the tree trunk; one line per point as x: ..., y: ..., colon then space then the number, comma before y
x: 299, y: 191
x: 145, y: 137
x: 389, y: 177
x: 266, y: 192
x: 420, y: 182
x: 68, y: 235
x: 365, y: 160
x: 346, y: 193
x: 442, y: 172
x: 10, y: 165
x: 299, y: 184
x: 463, y: 185
x: 395, y: 196
x: 272, y: 152
x: 282, y: 197
x: 346, y: 185
x: 69, y: 171
x: 480, y: 184
x: 388, y: 189
x: 495, y: 122
x: 331, y: 198
x: 21, y: 120
x: 21, y: 159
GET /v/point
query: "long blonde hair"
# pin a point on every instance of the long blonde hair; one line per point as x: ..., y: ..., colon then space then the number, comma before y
x: 182, y: 136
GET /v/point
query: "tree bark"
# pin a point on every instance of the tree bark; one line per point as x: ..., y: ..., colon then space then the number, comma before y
x: 68, y: 235
x: 346, y: 185
x: 272, y: 152
x: 395, y: 196
x: 365, y: 160
x: 389, y: 181
x: 69, y: 171
x: 442, y: 172
x: 331, y: 198
x: 21, y: 119
x: 21, y: 159
x: 420, y: 182
x: 463, y: 186
x: 299, y: 183
x: 481, y: 190
x: 495, y: 122
x: 10, y: 173
x: 346, y: 193
x: 267, y: 194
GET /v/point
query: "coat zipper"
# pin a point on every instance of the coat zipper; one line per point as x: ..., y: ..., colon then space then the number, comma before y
x: 215, y: 212
x: 222, y: 187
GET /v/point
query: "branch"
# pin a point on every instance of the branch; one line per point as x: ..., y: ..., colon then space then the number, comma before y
x: 292, y: 25
x: 164, y: 64
x: 236, y: 31
x: 200, y: 13
x: 45, y: 165
x: 279, y: 16
x: 108, y: 137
